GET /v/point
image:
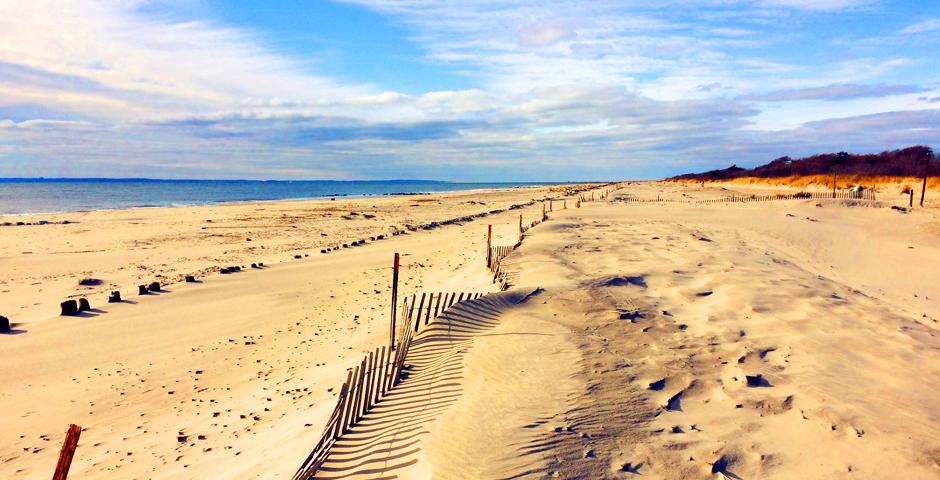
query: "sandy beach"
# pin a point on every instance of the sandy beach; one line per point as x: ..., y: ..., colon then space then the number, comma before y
x: 668, y: 339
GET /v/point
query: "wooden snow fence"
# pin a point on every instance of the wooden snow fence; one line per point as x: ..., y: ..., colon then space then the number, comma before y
x: 378, y: 373
x: 866, y: 194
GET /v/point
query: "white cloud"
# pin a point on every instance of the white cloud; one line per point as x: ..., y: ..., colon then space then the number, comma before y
x: 131, y: 65
x: 928, y: 25
x: 544, y: 33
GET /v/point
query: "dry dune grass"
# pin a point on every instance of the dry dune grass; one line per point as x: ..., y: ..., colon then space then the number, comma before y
x: 824, y: 182
x: 842, y: 181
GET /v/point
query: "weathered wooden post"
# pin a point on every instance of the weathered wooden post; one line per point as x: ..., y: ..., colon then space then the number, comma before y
x: 68, y: 451
x: 520, y: 227
x: 923, y: 189
x: 391, y: 333
x: 911, y: 202
x: 564, y: 204
x: 489, y: 244
x: 833, y: 184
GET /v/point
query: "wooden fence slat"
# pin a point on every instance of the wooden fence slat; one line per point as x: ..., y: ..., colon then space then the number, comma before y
x: 427, y: 313
x: 348, y: 407
x: 367, y: 396
x: 376, y: 368
x: 418, y: 317
x: 341, y: 405
x: 360, y: 391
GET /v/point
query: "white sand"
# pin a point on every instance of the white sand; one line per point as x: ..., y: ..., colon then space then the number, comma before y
x: 630, y: 360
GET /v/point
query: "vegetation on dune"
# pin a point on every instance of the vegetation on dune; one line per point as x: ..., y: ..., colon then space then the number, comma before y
x: 886, y: 167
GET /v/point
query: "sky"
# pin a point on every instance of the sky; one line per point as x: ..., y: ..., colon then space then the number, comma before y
x: 458, y: 90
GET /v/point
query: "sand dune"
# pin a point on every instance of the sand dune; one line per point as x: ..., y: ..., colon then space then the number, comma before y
x: 789, y: 339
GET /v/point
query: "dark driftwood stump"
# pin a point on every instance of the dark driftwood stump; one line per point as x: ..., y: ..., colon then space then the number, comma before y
x: 83, y: 305
x: 4, y: 324
x: 69, y: 307
x: 115, y: 297
x: 142, y: 290
x: 190, y: 279
x: 154, y: 287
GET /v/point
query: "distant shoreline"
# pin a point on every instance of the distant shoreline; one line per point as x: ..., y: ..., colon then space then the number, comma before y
x: 32, y: 197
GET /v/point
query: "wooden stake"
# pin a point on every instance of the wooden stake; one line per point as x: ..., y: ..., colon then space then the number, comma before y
x: 833, y: 184
x: 923, y: 189
x: 911, y: 203
x: 391, y: 332
x: 68, y: 451
x: 489, y: 245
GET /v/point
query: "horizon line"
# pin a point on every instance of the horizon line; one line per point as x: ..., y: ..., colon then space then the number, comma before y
x: 395, y: 180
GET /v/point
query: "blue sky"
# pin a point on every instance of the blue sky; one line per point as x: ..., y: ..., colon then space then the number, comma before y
x: 457, y: 90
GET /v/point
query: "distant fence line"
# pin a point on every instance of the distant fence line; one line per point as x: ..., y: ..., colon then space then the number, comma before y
x: 867, y: 194
x: 377, y: 374
x: 861, y: 195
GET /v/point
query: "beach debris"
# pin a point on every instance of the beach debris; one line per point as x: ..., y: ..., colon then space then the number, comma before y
x: 83, y: 305
x: 297, y: 257
x: 154, y: 287
x: 4, y: 324
x: 190, y: 279
x: 115, y: 297
x: 90, y: 282
x: 142, y: 290
x: 69, y: 307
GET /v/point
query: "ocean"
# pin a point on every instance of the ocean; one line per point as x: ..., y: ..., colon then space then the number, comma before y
x: 32, y: 196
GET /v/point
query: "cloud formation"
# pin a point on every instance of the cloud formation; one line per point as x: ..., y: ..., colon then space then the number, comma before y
x: 560, y: 90
x: 835, y: 93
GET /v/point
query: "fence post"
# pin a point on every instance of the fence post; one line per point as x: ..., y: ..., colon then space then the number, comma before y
x: 391, y: 332
x: 489, y: 244
x: 923, y: 189
x: 833, y: 184
x: 911, y: 203
x: 68, y: 451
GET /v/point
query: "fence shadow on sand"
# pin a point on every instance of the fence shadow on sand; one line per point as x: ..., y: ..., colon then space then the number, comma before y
x: 387, y: 438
